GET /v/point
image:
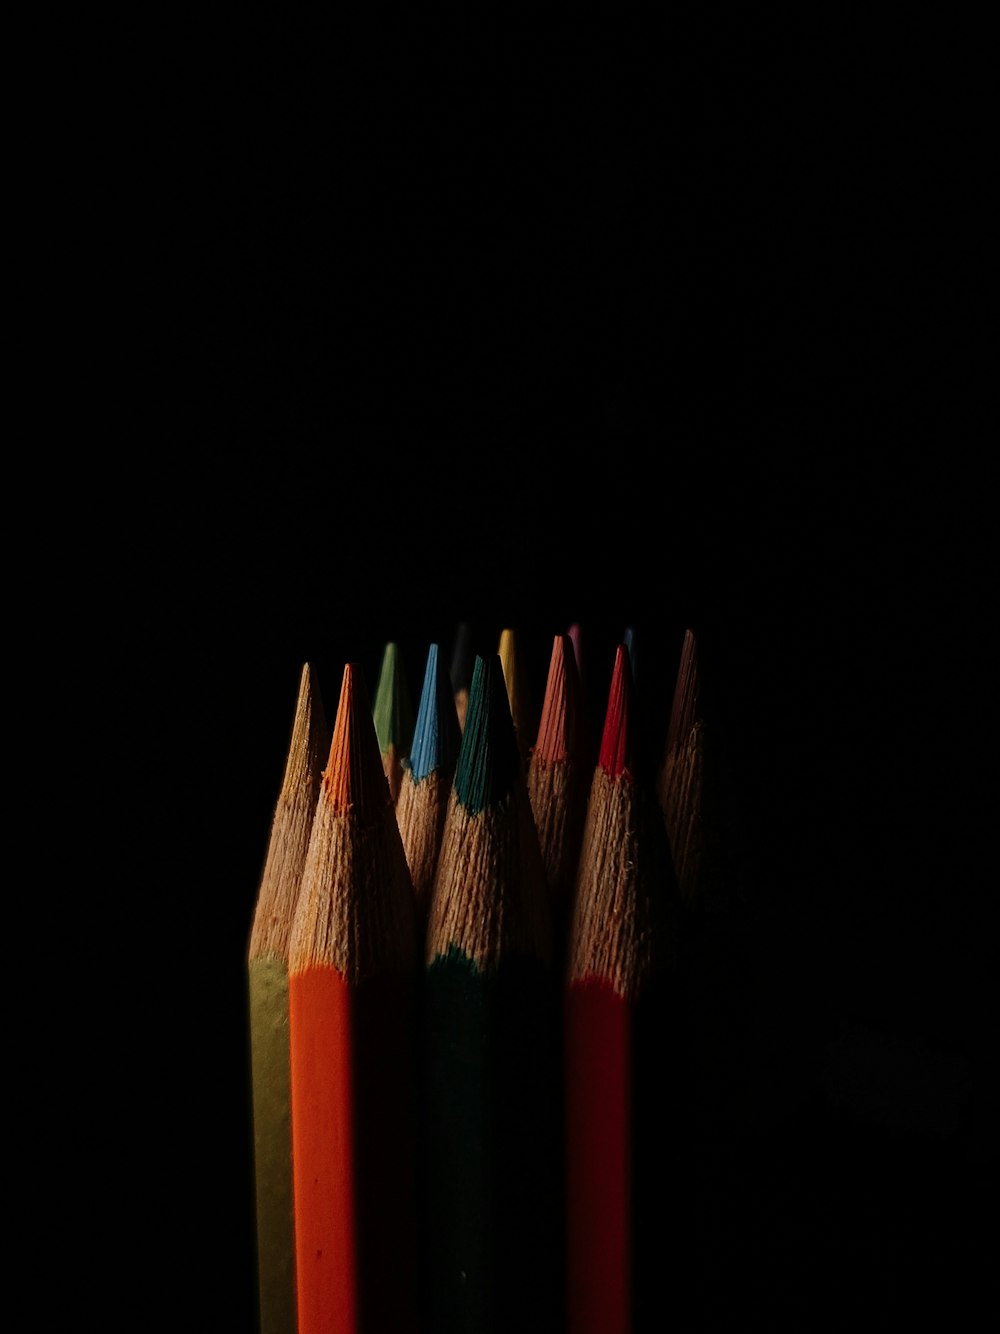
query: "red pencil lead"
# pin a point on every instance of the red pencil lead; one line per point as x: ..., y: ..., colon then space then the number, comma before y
x: 559, y: 720
x: 617, y: 756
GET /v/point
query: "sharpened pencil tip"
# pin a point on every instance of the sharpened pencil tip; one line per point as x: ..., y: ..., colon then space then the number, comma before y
x: 437, y: 733
x: 354, y: 776
x: 310, y: 741
x: 617, y: 742
x: 489, y: 761
x: 559, y: 708
x: 393, y: 709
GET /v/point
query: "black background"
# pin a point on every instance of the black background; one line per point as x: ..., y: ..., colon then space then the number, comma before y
x: 636, y: 319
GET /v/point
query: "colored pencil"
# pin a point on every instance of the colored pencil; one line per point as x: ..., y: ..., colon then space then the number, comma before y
x: 491, y: 1130
x: 576, y: 635
x: 267, y: 967
x: 393, y: 713
x: 427, y: 779
x: 460, y: 671
x: 518, y: 691
x: 559, y: 775
x: 681, y: 779
x: 615, y: 936
x: 352, y: 974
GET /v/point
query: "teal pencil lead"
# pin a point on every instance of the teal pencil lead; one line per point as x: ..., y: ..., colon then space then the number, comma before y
x: 489, y: 761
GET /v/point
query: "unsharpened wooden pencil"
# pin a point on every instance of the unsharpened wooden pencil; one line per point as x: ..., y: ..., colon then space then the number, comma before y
x: 427, y: 779
x: 267, y: 968
x: 393, y: 713
x: 352, y: 973
x: 614, y: 945
x: 490, y: 1129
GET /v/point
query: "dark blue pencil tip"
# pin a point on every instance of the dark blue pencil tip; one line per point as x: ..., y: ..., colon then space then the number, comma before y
x: 436, y: 735
x: 489, y: 761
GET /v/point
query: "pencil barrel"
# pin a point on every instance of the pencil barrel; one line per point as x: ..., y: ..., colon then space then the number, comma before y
x: 491, y: 1183
x: 352, y: 1120
x: 268, y: 996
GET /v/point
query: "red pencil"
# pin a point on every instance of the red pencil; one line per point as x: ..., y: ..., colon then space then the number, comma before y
x: 613, y: 959
x: 352, y: 971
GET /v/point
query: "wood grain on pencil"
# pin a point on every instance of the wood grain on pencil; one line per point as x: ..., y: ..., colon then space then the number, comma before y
x: 490, y: 1129
x: 611, y: 959
x: 352, y: 961
x: 427, y: 779
x: 267, y: 965
x: 559, y: 774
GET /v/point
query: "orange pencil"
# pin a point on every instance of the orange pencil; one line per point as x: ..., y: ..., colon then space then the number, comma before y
x: 352, y: 971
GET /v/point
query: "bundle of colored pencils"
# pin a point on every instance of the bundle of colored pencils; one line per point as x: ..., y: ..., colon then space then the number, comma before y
x: 455, y: 972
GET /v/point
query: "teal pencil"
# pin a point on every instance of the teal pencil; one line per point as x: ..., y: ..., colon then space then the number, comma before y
x: 491, y: 1131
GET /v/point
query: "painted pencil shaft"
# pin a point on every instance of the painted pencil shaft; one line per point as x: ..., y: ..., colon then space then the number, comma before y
x: 323, y: 1128
x: 354, y: 1189
x: 493, y: 1211
x: 272, y: 1138
x: 598, y: 1154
